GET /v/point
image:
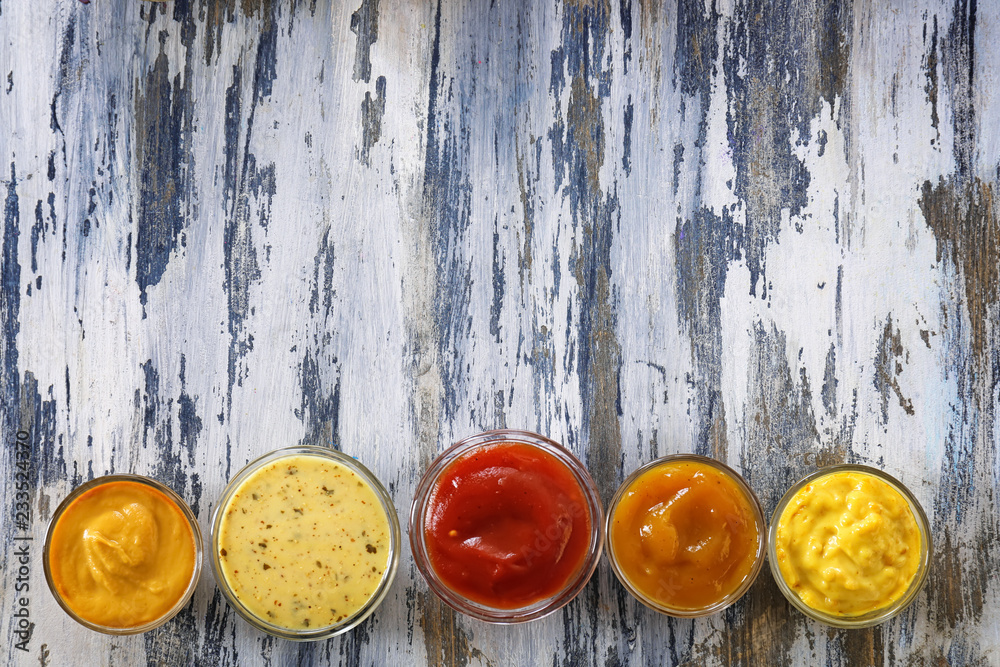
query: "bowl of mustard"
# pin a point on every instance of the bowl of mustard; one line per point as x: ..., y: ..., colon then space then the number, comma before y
x: 123, y: 554
x: 849, y: 546
x: 305, y: 543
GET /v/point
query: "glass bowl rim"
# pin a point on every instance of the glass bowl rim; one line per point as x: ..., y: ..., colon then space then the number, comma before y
x: 172, y: 496
x: 575, y: 583
x: 875, y: 616
x: 388, y: 576
x: 759, y: 517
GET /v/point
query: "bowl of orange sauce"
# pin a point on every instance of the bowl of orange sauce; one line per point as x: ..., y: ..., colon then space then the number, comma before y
x: 686, y: 535
x: 123, y: 554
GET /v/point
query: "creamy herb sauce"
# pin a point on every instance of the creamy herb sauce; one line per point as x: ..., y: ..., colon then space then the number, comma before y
x: 304, y: 542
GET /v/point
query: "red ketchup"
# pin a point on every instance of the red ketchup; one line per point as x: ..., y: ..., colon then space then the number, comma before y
x: 507, y: 525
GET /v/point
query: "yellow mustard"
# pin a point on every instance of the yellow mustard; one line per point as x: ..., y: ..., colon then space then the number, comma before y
x: 848, y: 544
x: 122, y: 555
x: 304, y: 542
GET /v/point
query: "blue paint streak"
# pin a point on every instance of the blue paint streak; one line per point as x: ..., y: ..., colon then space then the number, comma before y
x: 10, y: 305
x: 241, y: 265
x: 448, y: 193
x: 163, y: 115
x: 627, y: 142
x: 499, y: 264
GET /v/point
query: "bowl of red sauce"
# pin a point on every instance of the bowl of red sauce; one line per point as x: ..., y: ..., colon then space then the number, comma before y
x: 506, y: 526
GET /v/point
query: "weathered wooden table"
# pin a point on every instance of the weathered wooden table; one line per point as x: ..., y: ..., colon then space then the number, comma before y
x: 761, y: 231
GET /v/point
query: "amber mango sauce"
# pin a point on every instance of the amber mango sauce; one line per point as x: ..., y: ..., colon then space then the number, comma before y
x: 304, y: 542
x: 848, y: 544
x: 507, y: 525
x: 122, y: 555
x: 685, y: 535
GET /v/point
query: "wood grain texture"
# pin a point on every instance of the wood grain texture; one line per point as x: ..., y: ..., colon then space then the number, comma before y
x: 761, y: 231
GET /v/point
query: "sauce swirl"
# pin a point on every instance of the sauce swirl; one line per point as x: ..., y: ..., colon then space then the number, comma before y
x: 684, y: 535
x: 121, y: 555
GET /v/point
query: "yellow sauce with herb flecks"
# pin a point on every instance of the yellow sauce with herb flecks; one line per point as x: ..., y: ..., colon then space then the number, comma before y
x: 304, y: 542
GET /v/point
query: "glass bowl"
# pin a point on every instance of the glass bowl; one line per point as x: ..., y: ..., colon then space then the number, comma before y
x: 753, y: 505
x: 316, y: 501
x: 512, y: 520
x: 875, y: 616
x: 88, y: 490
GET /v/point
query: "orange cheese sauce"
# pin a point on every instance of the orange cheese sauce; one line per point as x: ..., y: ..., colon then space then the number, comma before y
x: 122, y: 555
x: 685, y: 535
